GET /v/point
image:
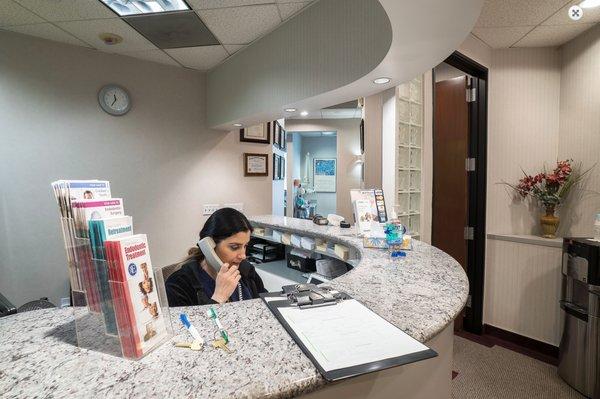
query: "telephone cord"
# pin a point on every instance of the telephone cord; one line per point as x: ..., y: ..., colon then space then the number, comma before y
x: 240, y: 293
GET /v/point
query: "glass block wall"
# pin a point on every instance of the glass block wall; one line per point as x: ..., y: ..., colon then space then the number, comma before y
x: 409, y: 136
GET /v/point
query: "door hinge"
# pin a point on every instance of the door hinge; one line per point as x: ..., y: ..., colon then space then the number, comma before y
x: 470, y: 164
x: 469, y: 233
x: 471, y: 94
x: 469, y: 301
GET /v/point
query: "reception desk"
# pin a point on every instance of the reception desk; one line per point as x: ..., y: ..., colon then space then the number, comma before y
x: 420, y: 294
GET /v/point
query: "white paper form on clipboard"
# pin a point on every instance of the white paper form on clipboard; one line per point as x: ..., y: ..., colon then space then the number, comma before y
x: 348, y: 339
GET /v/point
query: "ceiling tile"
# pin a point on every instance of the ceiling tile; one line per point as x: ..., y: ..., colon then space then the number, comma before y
x: 555, y: 35
x: 241, y: 25
x: 290, y: 1
x: 13, y: 14
x: 289, y: 9
x: 154, y: 56
x: 173, y: 30
x: 233, y: 48
x: 201, y: 58
x: 89, y: 32
x: 207, y: 4
x: 49, y: 32
x: 497, y: 13
x: 590, y: 15
x: 501, y: 37
x: 68, y: 10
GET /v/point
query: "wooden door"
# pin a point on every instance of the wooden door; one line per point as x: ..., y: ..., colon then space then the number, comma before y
x: 450, y: 182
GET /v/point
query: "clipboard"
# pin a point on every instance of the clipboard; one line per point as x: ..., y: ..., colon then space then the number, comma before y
x: 401, y: 348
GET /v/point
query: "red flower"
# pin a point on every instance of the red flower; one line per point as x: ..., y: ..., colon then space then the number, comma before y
x: 552, y: 179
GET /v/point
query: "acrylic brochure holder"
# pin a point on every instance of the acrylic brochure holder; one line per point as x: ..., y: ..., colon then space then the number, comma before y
x: 98, y: 300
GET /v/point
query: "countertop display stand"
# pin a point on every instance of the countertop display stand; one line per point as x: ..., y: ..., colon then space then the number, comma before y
x: 96, y: 298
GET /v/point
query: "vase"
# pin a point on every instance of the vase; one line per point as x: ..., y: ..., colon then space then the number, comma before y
x: 549, y: 222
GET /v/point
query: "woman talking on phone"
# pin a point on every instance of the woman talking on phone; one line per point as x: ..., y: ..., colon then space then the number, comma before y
x: 201, y: 280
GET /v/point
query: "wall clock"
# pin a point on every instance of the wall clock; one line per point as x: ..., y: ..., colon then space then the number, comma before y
x: 114, y: 100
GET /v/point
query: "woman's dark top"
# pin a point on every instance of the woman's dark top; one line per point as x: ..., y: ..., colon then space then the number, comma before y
x: 191, y: 285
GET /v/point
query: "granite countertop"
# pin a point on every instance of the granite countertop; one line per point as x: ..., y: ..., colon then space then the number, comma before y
x: 421, y: 294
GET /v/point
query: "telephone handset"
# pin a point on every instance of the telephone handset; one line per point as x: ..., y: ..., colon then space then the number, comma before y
x: 207, y: 246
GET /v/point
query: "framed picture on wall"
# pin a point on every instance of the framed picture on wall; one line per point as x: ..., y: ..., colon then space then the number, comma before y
x: 324, y: 174
x: 276, y: 166
x: 281, y: 168
x: 282, y: 139
x: 260, y: 133
x: 256, y: 164
x: 276, y: 134
x: 362, y: 136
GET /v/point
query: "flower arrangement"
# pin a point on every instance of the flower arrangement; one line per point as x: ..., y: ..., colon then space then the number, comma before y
x: 550, y: 189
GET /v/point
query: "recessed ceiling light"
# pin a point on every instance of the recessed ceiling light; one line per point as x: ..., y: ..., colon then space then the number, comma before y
x: 290, y: 110
x: 136, y: 7
x: 382, y: 81
x: 110, y: 38
x: 304, y: 113
x: 237, y: 125
x: 589, y: 3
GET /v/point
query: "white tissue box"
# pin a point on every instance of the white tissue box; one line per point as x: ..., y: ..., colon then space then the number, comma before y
x: 295, y: 240
x: 307, y: 243
x: 276, y: 236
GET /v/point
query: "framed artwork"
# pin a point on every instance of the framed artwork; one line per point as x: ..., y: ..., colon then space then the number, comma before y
x: 282, y: 139
x: 362, y: 136
x: 275, y: 167
x: 260, y: 133
x: 256, y: 164
x: 281, y: 168
x: 276, y: 131
x: 324, y: 175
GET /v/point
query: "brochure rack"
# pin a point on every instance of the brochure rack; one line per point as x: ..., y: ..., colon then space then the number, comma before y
x: 97, y: 300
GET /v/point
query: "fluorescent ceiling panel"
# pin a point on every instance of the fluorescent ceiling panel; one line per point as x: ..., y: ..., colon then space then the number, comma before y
x: 136, y: 7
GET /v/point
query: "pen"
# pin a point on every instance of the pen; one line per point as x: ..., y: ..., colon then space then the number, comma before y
x: 187, y: 324
x: 212, y: 313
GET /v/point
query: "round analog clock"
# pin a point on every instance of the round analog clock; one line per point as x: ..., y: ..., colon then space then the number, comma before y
x: 114, y: 100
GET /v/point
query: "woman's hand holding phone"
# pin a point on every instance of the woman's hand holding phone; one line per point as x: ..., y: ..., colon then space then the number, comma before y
x: 226, y: 282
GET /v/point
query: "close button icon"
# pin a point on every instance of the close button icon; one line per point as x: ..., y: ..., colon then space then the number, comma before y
x: 575, y: 13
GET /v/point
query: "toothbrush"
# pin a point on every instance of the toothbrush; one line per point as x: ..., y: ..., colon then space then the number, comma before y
x: 188, y: 325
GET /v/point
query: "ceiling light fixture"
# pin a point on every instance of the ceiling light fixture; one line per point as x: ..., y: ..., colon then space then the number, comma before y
x: 137, y: 7
x: 589, y: 3
x: 237, y: 125
x: 304, y: 113
x: 290, y: 110
x: 110, y: 38
x: 381, y: 81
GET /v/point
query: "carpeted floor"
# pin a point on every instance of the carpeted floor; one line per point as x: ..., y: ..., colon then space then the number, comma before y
x: 499, y: 373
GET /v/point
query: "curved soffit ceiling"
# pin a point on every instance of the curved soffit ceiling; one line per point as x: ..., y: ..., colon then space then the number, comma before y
x: 331, y: 52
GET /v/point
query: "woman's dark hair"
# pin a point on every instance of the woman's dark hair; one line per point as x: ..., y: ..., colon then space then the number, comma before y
x: 222, y: 224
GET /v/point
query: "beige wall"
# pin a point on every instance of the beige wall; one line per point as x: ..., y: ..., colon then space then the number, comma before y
x: 523, y: 111
x: 522, y: 289
x: 348, y: 145
x: 580, y: 127
x: 373, y: 130
x: 160, y: 157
